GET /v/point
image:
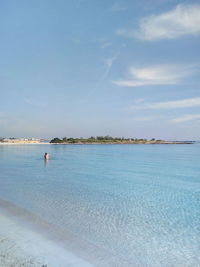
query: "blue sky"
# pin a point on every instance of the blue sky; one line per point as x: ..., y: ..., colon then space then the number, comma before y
x: 86, y: 67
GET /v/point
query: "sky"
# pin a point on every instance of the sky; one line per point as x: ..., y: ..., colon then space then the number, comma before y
x: 81, y: 68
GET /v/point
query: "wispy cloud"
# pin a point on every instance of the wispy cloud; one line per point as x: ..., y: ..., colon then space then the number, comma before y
x: 117, y: 7
x: 34, y: 103
x: 105, y: 45
x: 139, y: 100
x: 156, y: 75
x: 185, y: 118
x: 183, y: 103
x: 109, y: 62
x: 182, y: 20
x: 146, y: 118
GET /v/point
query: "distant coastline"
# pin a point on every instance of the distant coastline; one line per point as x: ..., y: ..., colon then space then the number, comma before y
x: 22, y: 141
x: 99, y: 140
x: 128, y: 143
x: 111, y: 140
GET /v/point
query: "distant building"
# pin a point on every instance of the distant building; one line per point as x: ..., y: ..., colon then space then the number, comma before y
x: 20, y: 140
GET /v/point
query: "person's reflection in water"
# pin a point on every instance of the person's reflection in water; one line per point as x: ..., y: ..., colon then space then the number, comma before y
x: 45, y: 162
x: 46, y: 158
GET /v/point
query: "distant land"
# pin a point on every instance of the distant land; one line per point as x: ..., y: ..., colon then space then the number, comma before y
x: 91, y: 140
x: 22, y: 141
x: 113, y: 140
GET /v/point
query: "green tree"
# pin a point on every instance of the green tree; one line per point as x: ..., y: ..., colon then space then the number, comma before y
x: 56, y: 140
x: 64, y: 139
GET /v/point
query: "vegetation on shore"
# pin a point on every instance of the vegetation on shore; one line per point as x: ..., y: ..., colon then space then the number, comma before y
x: 101, y: 140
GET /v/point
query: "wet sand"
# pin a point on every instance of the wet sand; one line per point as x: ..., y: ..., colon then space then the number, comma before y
x: 27, y: 240
x: 22, y: 246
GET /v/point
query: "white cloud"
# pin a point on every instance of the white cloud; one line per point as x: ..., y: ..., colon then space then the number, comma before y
x: 183, y: 103
x: 188, y: 117
x: 156, y: 75
x: 182, y: 20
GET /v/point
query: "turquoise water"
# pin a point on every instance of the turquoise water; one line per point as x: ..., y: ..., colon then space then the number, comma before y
x: 140, y: 203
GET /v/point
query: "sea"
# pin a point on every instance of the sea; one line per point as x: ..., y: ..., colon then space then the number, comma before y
x: 120, y: 205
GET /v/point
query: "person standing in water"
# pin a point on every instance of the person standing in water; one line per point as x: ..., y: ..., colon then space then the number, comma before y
x: 46, y: 156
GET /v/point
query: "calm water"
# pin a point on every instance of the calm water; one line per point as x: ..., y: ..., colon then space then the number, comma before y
x: 138, y: 202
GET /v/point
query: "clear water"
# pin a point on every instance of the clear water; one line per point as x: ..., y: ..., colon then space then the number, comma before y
x: 140, y: 203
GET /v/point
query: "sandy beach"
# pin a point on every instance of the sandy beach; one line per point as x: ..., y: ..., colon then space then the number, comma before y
x: 26, y: 240
x: 20, y: 245
x: 22, y: 143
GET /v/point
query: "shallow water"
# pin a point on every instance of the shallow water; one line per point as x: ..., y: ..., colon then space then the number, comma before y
x: 140, y: 203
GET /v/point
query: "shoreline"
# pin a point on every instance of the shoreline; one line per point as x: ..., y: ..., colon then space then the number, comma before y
x: 109, y: 143
x: 23, y: 143
x: 127, y: 143
x: 22, y: 245
x: 27, y: 240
